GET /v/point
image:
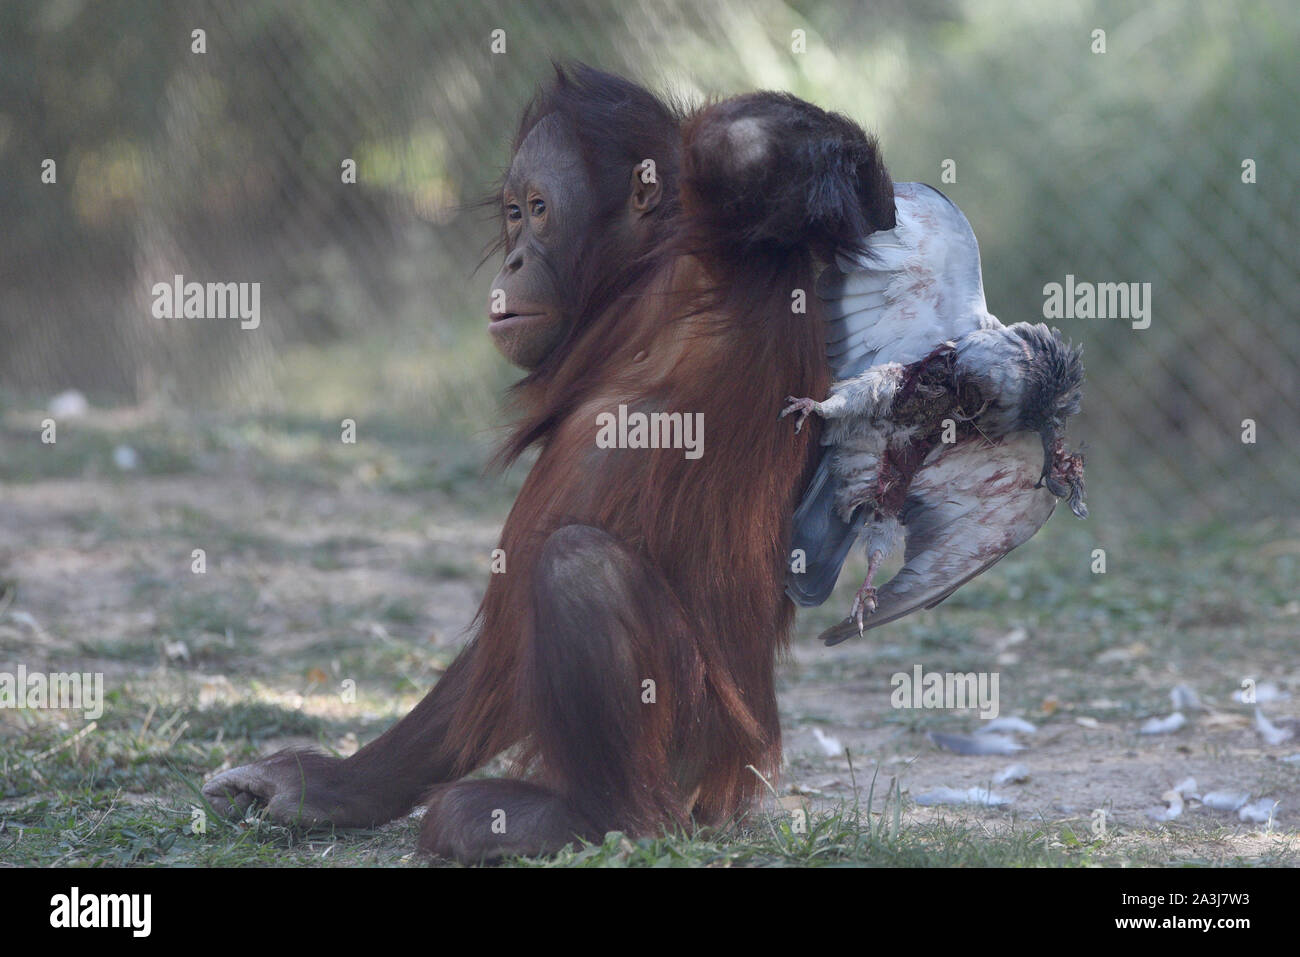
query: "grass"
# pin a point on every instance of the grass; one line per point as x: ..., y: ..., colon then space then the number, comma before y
x: 97, y: 818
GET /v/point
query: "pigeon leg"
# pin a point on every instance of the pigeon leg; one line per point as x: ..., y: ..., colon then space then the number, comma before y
x: 864, y: 602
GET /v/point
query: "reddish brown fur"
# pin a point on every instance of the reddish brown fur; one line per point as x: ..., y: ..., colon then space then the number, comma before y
x: 727, y: 582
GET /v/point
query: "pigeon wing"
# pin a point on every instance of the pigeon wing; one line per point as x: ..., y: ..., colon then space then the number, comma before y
x: 820, y: 539
x: 968, y: 505
x: 914, y: 287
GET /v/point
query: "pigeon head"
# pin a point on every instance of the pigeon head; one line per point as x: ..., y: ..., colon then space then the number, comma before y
x: 1051, y: 391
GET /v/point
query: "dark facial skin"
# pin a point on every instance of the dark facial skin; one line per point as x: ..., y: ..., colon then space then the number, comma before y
x: 547, y: 206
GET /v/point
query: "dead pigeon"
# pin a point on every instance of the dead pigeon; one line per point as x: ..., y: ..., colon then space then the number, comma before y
x: 945, y: 427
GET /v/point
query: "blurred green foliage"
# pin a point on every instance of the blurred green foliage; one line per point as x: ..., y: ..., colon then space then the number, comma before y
x: 1122, y: 166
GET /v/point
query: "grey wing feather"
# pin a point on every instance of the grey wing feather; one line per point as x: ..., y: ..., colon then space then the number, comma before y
x: 968, y: 506
x: 917, y: 286
x: 820, y: 540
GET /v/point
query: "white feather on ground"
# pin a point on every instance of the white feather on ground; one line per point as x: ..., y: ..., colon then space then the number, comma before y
x: 1012, y: 774
x: 69, y: 405
x: 1265, y: 693
x: 981, y: 796
x: 1174, y: 802
x: 1263, y: 811
x: 1166, y: 725
x: 829, y: 743
x: 1185, y: 698
x: 1009, y: 723
x: 1224, y: 800
x: 976, y: 743
x: 1270, y: 732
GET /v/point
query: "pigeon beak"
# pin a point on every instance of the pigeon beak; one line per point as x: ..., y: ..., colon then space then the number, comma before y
x: 1048, y: 436
x: 1049, y: 454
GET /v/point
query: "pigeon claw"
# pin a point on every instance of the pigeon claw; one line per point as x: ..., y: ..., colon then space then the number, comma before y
x: 802, y: 406
x: 864, y: 603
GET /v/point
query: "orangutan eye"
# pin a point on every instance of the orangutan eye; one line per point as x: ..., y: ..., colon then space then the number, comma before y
x: 514, y: 213
x: 538, y: 207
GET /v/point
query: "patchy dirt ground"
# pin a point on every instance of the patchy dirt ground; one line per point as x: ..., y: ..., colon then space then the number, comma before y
x: 1076, y: 765
x: 324, y: 565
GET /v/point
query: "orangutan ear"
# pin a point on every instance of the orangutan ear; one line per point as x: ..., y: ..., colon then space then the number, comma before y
x: 646, y: 188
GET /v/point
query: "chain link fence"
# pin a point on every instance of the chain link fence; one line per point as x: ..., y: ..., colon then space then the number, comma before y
x: 1159, y: 151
